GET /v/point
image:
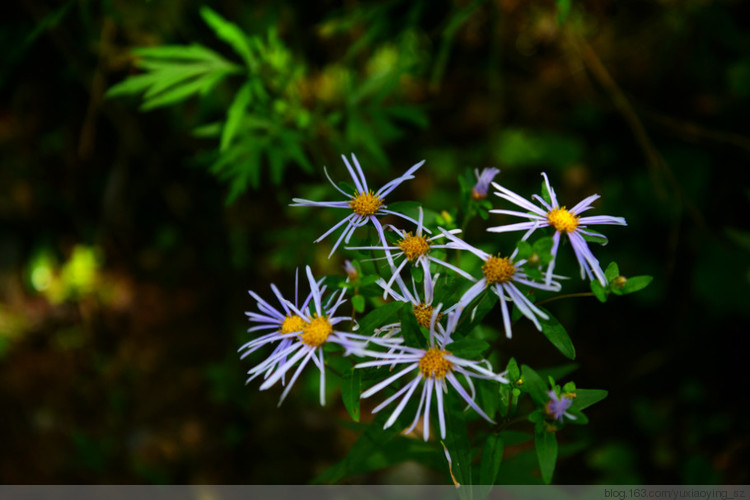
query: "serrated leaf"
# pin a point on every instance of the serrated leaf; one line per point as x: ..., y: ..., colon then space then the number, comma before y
x: 133, y: 85
x: 209, y: 130
x: 587, y: 397
x: 292, y: 145
x: 492, y: 456
x: 468, y: 348
x: 230, y: 33
x: 546, y: 452
x: 599, y: 291
x: 358, y: 302
x: 276, y: 164
x: 193, y: 52
x: 555, y: 333
x: 180, y: 92
x: 234, y: 116
x: 612, y: 271
x: 636, y: 283
x: 378, y: 317
x: 351, y: 388
x: 173, y: 75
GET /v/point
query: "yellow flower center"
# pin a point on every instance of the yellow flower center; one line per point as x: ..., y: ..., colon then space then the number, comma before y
x: 478, y: 196
x: 423, y: 313
x: 498, y: 269
x: 316, y: 331
x: 293, y: 324
x: 562, y: 220
x: 414, y: 246
x: 433, y: 363
x: 365, y: 203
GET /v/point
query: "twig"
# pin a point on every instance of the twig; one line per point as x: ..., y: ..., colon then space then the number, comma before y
x: 565, y: 296
x: 656, y: 162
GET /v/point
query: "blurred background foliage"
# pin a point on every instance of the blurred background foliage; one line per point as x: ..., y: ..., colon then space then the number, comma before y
x: 128, y: 239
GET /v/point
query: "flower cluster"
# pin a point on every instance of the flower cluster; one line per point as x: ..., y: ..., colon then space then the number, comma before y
x: 429, y: 350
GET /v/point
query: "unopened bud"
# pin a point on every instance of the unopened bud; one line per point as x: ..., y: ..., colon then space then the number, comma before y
x: 619, y: 282
x: 446, y: 217
x: 534, y: 259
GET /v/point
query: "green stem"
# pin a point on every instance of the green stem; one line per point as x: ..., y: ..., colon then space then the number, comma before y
x: 566, y: 296
x: 507, y: 423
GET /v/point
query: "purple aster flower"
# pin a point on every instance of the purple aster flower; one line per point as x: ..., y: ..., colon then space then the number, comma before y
x: 563, y: 221
x: 350, y: 270
x: 285, y: 324
x: 479, y: 191
x: 415, y: 249
x: 302, y: 337
x: 435, y: 369
x: 501, y: 274
x: 422, y: 307
x: 557, y: 406
x: 364, y: 204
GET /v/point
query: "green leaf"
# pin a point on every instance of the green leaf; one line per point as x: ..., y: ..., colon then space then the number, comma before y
x: 563, y: 10
x: 410, y: 114
x: 636, y: 283
x: 555, y: 333
x: 407, y: 207
x: 410, y: 329
x: 231, y: 34
x: 524, y: 249
x: 543, y: 247
x: 417, y: 273
x: 546, y: 194
x: 534, y: 385
x: 514, y: 438
x: 587, y: 397
x: 379, y: 316
x: 546, y: 452
x: 612, y: 271
x: 168, y: 76
x: 234, y: 116
x: 513, y: 372
x: 599, y: 291
x: 468, y: 348
x: 194, y: 52
x: 358, y: 302
x: 485, y: 305
x: 351, y: 388
x: 457, y: 438
x: 133, y: 85
x: 492, y: 456
x: 181, y: 92
x: 592, y: 237
x: 370, y: 442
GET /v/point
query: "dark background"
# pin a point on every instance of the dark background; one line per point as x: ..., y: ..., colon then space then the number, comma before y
x: 120, y: 366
